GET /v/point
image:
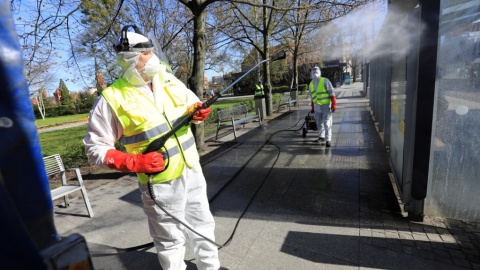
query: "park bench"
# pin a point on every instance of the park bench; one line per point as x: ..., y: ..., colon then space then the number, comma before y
x: 286, y: 100
x: 231, y: 117
x: 54, y: 166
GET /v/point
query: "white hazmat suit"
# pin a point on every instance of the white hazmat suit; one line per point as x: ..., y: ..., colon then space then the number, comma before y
x: 323, y: 113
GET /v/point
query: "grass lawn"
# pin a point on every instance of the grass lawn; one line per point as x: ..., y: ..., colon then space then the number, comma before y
x: 58, y: 141
x: 48, y: 121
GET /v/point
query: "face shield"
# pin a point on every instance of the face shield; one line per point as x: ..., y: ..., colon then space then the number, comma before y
x: 158, y: 52
x: 315, y: 73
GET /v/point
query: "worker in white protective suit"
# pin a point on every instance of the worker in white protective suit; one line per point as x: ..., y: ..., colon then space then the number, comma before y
x: 324, y: 103
x: 136, y: 109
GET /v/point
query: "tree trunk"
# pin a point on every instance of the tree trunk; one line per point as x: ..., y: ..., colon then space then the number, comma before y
x: 41, y: 105
x: 268, y: 84
x: 199, y: 51
x: 266, y: 65
x: 295, y: 67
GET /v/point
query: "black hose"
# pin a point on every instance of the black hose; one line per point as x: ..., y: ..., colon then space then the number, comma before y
x: 152, y: 195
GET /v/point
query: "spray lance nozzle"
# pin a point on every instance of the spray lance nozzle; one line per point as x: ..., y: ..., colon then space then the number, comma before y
x: 279, y: 55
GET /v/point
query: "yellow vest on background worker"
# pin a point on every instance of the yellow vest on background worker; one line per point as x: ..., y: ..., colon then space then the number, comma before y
x: 259, y: 89
x: 143, y: 122
x: 320, y: 95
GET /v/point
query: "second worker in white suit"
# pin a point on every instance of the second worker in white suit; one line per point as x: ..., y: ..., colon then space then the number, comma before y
x: 324, y: 103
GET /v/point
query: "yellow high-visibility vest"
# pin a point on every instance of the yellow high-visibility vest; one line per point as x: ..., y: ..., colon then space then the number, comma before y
x: 258, y: 89
x: 320, y: 95
x: 143, y: 122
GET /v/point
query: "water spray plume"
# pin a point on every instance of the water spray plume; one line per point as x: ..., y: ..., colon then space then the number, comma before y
x: 369, y: 31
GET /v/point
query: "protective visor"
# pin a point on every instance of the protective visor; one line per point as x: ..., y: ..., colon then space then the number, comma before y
x: 124, y: 45
x: 141, y: 47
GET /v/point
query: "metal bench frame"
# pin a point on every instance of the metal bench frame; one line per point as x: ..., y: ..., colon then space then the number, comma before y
x: 286, y: 100
x: 235, y: 116
x: 54, y: 165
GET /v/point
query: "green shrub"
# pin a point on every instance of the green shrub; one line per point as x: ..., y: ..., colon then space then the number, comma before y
x: 55, y: 111
x: 74, y: 155
x: 280, y: 89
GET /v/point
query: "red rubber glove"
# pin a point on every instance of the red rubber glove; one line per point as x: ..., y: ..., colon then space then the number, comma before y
x: 313, y: 110
x: 201, y: 114
x: 152, y: 162
x: 333, y: 106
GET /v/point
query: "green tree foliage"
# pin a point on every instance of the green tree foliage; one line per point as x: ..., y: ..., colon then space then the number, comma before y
x: 85, y: 101
x: 100, y: 32
x: 66, y: 98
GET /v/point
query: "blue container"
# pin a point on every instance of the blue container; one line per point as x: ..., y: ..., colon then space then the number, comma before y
x: 346, y: 78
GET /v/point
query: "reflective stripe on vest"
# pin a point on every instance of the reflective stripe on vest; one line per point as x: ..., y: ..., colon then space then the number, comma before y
x: 320, y: 95
x: 172, y: 151
x: 145, y: 135
x: 143, y: 122
x: 148, y: 134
